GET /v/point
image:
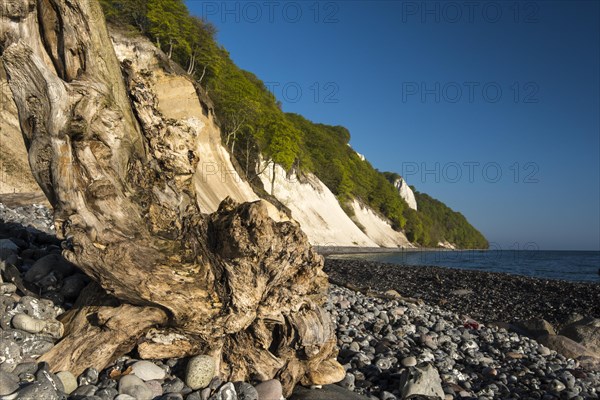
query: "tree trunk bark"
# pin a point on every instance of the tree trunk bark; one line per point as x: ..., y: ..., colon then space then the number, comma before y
x: 237, y: 284
x: 192, y: 66
x: 202, y: 76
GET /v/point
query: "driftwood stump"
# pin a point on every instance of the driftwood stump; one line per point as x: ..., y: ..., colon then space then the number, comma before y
x: 234, y: 284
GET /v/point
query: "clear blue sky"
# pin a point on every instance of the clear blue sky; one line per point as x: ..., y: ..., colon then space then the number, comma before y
x: 492, y: 108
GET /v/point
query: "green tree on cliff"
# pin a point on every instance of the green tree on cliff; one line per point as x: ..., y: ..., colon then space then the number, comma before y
x: 254, y: 126
x: 170, y: 25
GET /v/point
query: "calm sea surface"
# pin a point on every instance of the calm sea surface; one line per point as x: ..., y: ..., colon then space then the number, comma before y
x: 566, y: 265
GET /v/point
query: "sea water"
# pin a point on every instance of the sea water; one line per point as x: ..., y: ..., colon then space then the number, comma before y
x: 565, y: 265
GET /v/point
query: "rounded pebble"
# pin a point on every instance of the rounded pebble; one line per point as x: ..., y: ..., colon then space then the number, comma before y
x: 199, y: 371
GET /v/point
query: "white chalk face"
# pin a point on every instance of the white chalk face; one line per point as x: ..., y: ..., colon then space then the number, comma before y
x: 322, y: 217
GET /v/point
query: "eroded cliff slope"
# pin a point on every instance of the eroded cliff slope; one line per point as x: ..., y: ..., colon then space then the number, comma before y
x: 164, y: 97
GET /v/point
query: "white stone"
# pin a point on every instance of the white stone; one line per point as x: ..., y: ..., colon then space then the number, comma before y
x: 147, y: 371
x: 409, y: 361
x: 33, y: 325
x: 68, y: 380
x: 124, y: 397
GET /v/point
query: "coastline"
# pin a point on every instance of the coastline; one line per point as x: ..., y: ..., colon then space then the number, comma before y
x: 327, y: 251
x: 485, y: 296
x: 385, y: 340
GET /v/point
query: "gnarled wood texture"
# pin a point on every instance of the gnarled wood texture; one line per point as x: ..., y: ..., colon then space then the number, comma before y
x: 243, y: 287
x: 99, y: 318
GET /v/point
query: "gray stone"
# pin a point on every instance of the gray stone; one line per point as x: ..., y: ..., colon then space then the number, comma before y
x: 88, y: 377
x: 536, y: 327
x: 245, y: 391
x: 7, y: 248
x: 387, y: 396
x: 461, y: 292
x: 28, y: 324
x: 215, y: 383
x: 428, y: 341
x: 10, y: 354
x: 135, y: 387
x: 199, y: 371
x: 107, y: 383
x: 36, y: 308
x: 38, y: 391
x: 205, y: 393
x: 35, y: 346
x: 171, y: 396
x: 147, y: 371
x: 557, y: 386
x: 226, y: 392
x: 269, y: 390
x: 423, y: 380
x: 572, y: 318
x: 9, y: 383
x: 27, y: 377
x: 107, y: 393
x: 348, y: 382
x: 84, y: 391
x: 50, y: 263
x: 25, y: 368
x: 48, y: 282
x: 194, y: 396
x: 156, y: 388
x: 585, y: 331
x: 328, y: 392
x: 173, y: 386
x: 73, y: 285
x: 7, y: 288
x: 565, y: 346
x: 44, y: 375
x: 125, y: 397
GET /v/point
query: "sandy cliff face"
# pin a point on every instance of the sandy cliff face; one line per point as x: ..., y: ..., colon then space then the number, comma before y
x: 188, y: 118
x: 406, y: 193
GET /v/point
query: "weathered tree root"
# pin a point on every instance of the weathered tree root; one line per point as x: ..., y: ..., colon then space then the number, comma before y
x: 99, y: 330
x: 244, y: 288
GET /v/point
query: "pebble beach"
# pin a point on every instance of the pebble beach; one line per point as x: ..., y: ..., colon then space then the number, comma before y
x: 414, y: 332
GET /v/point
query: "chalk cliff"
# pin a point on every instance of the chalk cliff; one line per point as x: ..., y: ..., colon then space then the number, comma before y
x: 406, y: 193
x: 167, y: 98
